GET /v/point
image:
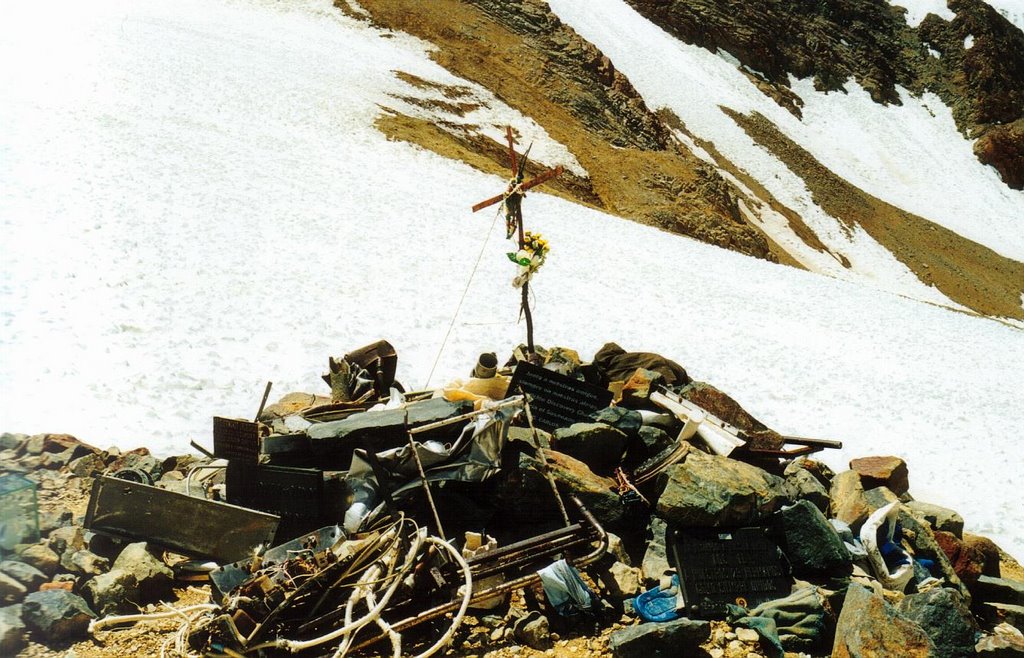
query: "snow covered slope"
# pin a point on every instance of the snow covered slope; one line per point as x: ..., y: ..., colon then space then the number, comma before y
x: 194, y: 200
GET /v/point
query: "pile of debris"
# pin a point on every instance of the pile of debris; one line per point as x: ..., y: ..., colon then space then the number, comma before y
x: 545, y: 499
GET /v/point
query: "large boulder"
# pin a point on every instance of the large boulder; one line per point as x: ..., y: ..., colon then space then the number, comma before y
x: 968, y: 561
x: 944, y: 616
x: 806, y: 486
x: 525, y: 493
x: 868, y: 627
x: 710, y: 490
x: 84, y: 562
x: 113, y: 592
x: 811, y: 544
x: 597, y: 445
x: 885, y: 471
x: 938, y: 517
x: 154, y: 578
x: 56, y: 615
x: 681, y: 637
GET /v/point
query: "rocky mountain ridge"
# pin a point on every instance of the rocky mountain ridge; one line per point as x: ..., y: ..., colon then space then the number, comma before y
x: 644, y: 164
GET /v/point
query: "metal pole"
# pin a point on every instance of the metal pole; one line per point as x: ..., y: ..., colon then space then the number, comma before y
x: 423, y: 480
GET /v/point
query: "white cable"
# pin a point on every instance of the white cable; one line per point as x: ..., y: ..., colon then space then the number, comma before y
x: 98, y: 624
x: 296, y: 646
x: 467, y: 594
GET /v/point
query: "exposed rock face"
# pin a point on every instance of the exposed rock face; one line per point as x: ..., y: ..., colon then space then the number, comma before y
x: 872, y: 43
x: 709, y: 490
x: 869, y: 627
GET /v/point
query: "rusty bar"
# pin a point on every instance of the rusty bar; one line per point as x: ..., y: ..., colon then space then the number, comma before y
x: 472, y: 414
x: 263, y: 402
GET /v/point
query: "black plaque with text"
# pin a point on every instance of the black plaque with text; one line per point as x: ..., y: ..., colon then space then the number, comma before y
x: 727, y: 565
x: 557, y: 400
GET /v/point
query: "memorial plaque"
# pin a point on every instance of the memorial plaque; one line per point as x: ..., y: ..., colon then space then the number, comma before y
x: 557, y: 400
x: 727, y: 565
x: 236, y: 439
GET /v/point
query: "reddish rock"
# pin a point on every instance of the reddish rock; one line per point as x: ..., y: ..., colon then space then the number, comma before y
x: 890, y: 472
x: 65, y: 585
x: 638, y: 388
x: 968, y: 561
x: 989, y: 550
x: 1002, y: 147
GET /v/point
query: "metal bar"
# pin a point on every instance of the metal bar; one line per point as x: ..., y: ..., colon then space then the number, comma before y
x: 263, y: 403
x: 804, y: 441
x: 511, y: 402
x: 423, y: 479
x: 544, y: 461
x: 202, y: 449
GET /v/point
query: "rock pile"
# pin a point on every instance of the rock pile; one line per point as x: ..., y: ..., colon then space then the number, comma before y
x: 869, y: 571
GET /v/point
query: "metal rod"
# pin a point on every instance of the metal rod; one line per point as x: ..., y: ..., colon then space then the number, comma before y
x: 511, y: 402
x: 263, y: 402
x: 423, y: 480
x: 544, y: 461
x: 804, y: 441
x: 202, y: 449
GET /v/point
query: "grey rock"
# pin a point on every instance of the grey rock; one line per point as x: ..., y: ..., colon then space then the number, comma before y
x: 112, y: 592
x: 12, y: 630
x: 660, y: 639
x: 84, y: 562
x: 999, y: 590
x: 922, y: 541
x: 654, y: 439
x: 940, y: 518
x: 11, y: 441
x: 655, y: 561
x: 41, y: 557
x: 806, y: 486
x: 56, y: 615
x: 11, y: 591
x: 67, y: 539
x: 868, y: 627
x: 50, y: 521
x: 153, y: 576
x: 597, y: 445
x: 879, y: 497
x: 533, y: 631
x: 24, y: 573
x: 710, y: 490
x: 622, y: 419
x: 811, y: 544
x: 944, y: 616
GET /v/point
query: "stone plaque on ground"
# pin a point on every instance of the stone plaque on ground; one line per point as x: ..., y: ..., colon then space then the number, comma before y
x: 726, y: 565
x: 557, y: 400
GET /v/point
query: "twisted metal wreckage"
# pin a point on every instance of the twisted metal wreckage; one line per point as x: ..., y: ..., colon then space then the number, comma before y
x: 379, y: 573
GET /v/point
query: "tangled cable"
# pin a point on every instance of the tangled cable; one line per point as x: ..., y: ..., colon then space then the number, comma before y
x: 379, y: 567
